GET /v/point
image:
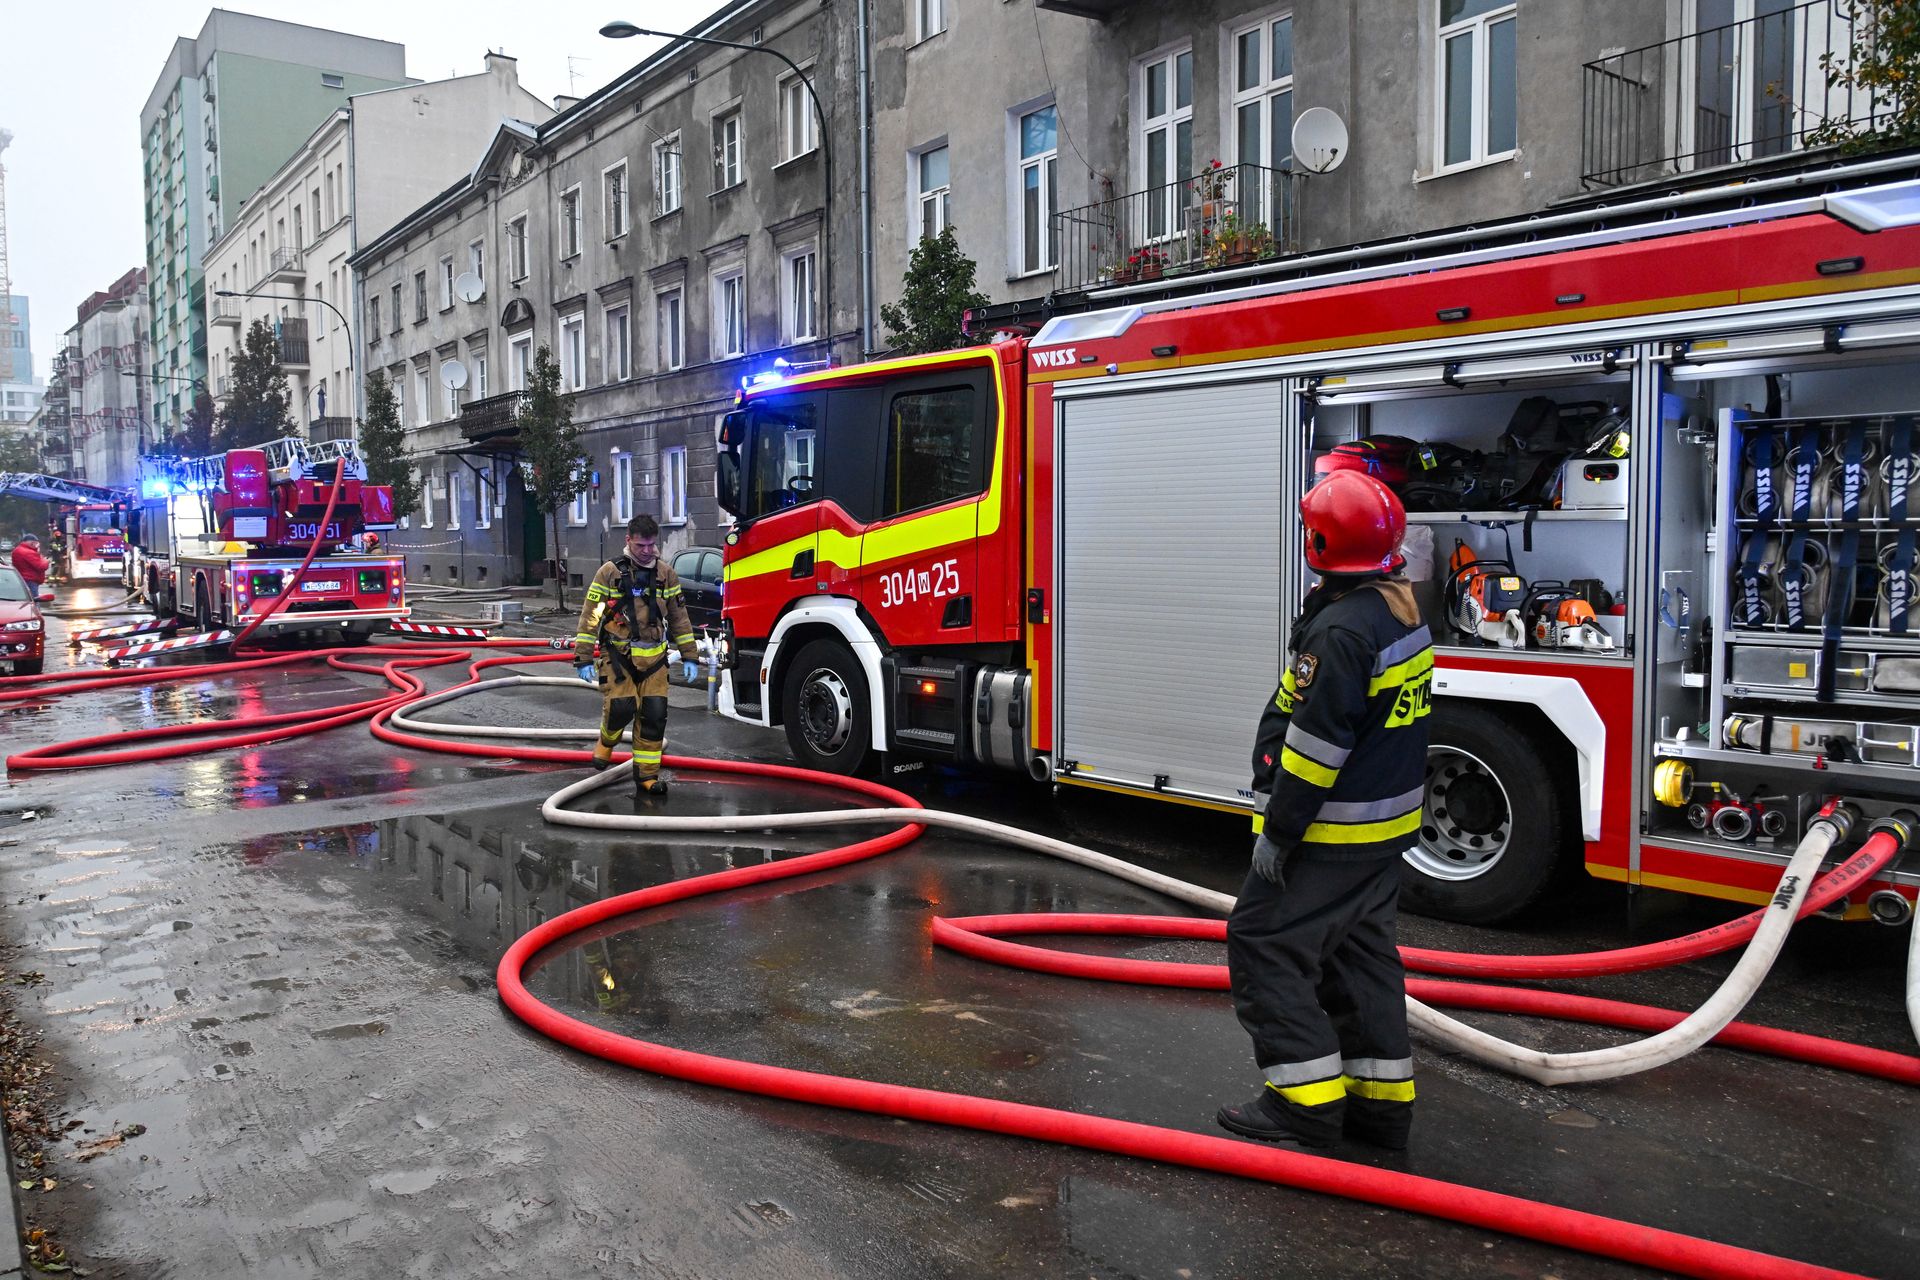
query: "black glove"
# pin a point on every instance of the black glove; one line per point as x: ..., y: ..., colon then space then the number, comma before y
x: 1270, y: 861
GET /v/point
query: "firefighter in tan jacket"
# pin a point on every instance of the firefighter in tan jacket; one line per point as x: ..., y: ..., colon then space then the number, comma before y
x: 632, y: 613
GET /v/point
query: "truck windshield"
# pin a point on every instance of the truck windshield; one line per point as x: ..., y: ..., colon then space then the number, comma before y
x: 98, y: 522
x: 780, y: 473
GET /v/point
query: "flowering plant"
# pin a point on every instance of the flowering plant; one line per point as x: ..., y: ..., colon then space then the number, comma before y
x: 1212, y: 181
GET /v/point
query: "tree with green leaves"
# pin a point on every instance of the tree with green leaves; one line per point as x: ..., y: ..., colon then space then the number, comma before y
x: 258, y: 406
x: 1880, y: 65
x: 937, y: 292
x: 21, y: 515
x: 383, y: 443
x: 195, y: 437
x: 551, y: 444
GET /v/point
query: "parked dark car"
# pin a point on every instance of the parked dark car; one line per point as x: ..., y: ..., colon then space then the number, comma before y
x: 699, y: 572
x: 22, y: 630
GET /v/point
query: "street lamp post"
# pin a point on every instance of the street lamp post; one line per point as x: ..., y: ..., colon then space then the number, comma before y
x: 622, y: 30
x: 345, y: 328
x: 157, y: 376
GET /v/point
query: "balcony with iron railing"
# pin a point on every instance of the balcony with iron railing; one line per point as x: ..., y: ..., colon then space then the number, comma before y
x: 492, y: 416
x: 225, y: 311
x: 331, y: 427
x: 1226, y: 216
x: 291, y: 336
x: 1727, y: 95
x: 283, y: 266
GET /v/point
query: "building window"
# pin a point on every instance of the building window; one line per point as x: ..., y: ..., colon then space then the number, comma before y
x: 446, y: 283
x: 1477, y: 105
x: 329, y: 208
x: 570, y: 223
x: 622, y: 467
x: 936, y: 195
x: 673, y: 485
x: 456, y: 487
x: 332, y: 80
x: 932, y: 17
x: 1039, y: 173
x: 483, y: 500
x: 397, y: 313
x: 419, y: 296
x: 517, y: 248
x: 727, y: 160
x: 423, y: 396
x: 577, y: 510
x: 299, y: 228
x: 797, y: 134
x: 800, y: 296
x: 477, y: 260
x: 373, y: 318
x: 1166, y: 137
x: 1263, y: 94
x: 426, y: 487
x: 619, y: 348
x: 573, y: 352
x: 613, y: 196
x: 519, y: 361
x: 453, y: 393
x: 480, y: 377
x: 729, y: 315
x: 668, y: 324
x: 399, y: 384
x: 666, y: 175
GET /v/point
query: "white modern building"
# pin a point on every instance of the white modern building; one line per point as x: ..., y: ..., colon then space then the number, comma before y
x: 370, y: 162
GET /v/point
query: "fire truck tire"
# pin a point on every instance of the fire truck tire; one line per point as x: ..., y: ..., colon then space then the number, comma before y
x: 1491, y: 840
x: 824, y: 705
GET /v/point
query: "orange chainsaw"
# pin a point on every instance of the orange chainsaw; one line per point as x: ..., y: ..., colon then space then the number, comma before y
x: 1484, y: 599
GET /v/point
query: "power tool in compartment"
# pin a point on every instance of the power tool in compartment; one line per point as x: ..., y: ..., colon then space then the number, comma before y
x: 1484, y: 598
x: 1558, y: 617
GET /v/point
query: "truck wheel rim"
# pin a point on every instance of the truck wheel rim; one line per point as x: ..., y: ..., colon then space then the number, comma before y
x: 826, y: 711
x: 1468, y: 819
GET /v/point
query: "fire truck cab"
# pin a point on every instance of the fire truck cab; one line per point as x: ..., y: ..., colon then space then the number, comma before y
x: 1657, y: 463
x: 96, y: 541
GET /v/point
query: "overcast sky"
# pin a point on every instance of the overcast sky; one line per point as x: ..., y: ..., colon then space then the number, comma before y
x: 75, y: 73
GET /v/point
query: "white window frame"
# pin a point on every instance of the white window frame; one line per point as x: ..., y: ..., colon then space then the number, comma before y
x: 570, y: 223
x: 932, y: 206
x: 453, y: 396
x: 477, y: 261
x: 1478, y: 29
x: 426, y: 500
x: 519, y: 361
x: 671, y: 342
x: 1266, y: 87
x: 799, y: 130
x: 423, y: 392
x: 454, y: 486
x: 483, y: 499
x: 1158, y: 137
x: 620, y: 472
x: 1046, y: 165
x: 929, y: 19
x: 729, y: 339
x: 801, y: 261
x: 446, y: 282
x: 480, y: 375
x: 571, y: 333
x: 517, y: 248
x: 577, y: 509
x: 617, y: 350
x: 729, y: 156
x: 673, y: 485
x: 399, y: 385
x: 668, y: 173
x: 615, y: 213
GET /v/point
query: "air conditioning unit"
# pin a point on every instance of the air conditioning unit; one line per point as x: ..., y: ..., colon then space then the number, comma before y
x: 503, y: 610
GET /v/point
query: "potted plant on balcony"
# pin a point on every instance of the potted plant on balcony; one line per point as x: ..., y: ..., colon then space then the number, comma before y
x: 1260, y: 242
x: 1231, y: 244
x: 1210, y: 188
x: 1149, y: 262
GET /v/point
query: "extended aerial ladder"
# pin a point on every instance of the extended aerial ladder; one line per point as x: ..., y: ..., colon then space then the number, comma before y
x: 33, y: 484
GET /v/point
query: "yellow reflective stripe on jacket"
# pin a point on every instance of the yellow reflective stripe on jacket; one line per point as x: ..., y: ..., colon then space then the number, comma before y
x: 1284, y: 698
x: 1307, y: 768
x: 1259, y: 822
x: 1361, y: 832
x: 1401, y: 672
x: 583, y: 637
x: 1379, y: 1090
x: 649, y: 651
x: 1317, y: 1094
x: 685, y: 639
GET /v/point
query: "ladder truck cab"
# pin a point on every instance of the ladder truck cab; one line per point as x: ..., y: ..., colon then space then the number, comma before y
x: 96, y: 541
x: 1658, y: 459
x: 220, y: 537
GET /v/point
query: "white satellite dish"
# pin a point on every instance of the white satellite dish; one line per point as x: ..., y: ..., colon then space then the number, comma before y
x: 469, y: 287
x: 453, y: 375
x: 1319, y: 140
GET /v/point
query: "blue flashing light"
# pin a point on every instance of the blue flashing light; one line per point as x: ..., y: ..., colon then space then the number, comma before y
x: 156, y: 487
x: 767, y: 377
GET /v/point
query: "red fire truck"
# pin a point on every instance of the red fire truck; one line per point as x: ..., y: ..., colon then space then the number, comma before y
x: 96, y: 541
x: 216, y: 538
x: 1674, y: 436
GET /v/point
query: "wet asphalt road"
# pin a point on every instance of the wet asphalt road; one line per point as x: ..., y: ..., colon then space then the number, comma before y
x: 280, y: 961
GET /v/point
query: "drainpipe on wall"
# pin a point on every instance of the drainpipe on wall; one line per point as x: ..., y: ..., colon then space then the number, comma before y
x: 866, y: 195
x: 354, y: 371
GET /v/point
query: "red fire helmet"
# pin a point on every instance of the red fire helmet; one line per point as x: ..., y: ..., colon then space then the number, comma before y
x: 1354, y: 524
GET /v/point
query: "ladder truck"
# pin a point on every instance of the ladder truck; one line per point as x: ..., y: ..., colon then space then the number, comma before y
x: 217, y: 538
x: 92, y: 516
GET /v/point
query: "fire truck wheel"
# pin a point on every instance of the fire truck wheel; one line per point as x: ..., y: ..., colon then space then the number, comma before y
x: 1490, y: 842
x: 824, y: 706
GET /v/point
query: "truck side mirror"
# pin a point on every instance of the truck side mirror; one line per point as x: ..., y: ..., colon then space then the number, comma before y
x: 727, y: 472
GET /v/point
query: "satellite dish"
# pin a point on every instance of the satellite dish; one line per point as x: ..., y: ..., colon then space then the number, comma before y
x: 469, y: 287
x: 1319, y: 140
x: 453, y: 375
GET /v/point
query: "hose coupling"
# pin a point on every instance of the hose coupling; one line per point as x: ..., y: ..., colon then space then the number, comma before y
x: 1902, y: 824
x: 1889, y: 907
x: 1840, y: 814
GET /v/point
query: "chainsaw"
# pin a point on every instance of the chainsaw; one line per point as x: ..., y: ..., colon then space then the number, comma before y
x: 1558, y: 617
x: 1484, y: 599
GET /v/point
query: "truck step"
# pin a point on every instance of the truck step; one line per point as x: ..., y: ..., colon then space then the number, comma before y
x: 926, y: 737
x: 179, y: 644
x: 431, y: 629
x: 95, y: 635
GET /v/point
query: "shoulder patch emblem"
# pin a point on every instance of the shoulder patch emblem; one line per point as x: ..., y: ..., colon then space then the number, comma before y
x: 1305, y: 667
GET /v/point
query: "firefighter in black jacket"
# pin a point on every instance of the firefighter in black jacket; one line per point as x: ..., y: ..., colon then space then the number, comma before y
x: 1342, y: 748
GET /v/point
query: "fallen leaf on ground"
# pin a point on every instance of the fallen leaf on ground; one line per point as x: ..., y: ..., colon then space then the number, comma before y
x: 100, y: 1146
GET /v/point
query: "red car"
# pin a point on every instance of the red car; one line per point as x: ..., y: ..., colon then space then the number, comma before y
x: 23, y: 635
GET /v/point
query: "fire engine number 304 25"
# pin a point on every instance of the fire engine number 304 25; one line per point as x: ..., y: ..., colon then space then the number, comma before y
x: 906, y: 586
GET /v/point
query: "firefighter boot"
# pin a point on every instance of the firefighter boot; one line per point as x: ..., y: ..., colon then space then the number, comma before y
x: 1274, y: 1118
x: 649, y: 788
x: 1378, y: 1122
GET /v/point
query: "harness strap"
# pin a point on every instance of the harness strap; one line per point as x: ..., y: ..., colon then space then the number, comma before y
x: 1839, y: 596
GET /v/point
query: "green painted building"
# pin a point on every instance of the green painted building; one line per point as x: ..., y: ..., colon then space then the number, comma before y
x: 228, y: 109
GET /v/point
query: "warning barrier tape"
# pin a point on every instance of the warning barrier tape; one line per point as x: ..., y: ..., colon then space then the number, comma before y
x: 430, y: 629
x: 199, y: 640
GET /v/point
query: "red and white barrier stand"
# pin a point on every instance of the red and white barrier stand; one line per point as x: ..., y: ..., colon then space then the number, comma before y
x: 437, y: 631
x: 180, y: 644
x: 96, y: 635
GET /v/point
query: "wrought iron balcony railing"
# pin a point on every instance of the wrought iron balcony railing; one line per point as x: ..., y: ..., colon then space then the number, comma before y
x: 1221, y: 217
x: 292, y: 336
x: 1727, y: 95
x: 489, y: 417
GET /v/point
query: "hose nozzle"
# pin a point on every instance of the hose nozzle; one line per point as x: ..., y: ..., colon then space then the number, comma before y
x: 1902, y: 824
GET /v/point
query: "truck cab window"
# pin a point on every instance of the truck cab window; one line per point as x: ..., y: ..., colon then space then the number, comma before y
x: 933, y: 449
x: 781, y: 473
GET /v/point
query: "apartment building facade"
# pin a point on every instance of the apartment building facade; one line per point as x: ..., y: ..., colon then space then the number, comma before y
x: 109, y: 392
x: 665, y: 238
x: 284, y: 253
x: 229, y: 106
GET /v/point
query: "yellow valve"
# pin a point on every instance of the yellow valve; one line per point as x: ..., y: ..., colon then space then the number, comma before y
x: 1672, y: 782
